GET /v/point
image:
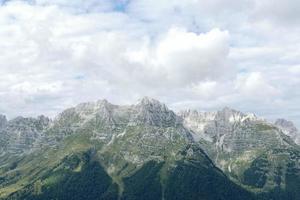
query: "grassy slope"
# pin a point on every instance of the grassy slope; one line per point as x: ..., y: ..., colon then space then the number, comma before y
x: 77, y: 168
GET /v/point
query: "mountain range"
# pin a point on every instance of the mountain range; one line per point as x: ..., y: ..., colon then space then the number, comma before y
x: 99, y: 150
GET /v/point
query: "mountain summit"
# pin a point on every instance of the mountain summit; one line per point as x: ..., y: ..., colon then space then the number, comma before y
x: 289, y: 129
x: 153, y: 112
x: 99, y: 150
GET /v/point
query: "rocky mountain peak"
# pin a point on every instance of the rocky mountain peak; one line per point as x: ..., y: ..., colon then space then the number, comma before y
x: 186, y: 113
x: 150, y: 103
x: 93, y: 107
x: 83, y: 112
x: 28, y: 123
x: 125, y: 139
x: 226, y: 115
x: 103, y: 106
x: 289, y: 129
x: 153, y: 112
x: 230, y: 111
x: 3, y: 121
x: 103, y: 102
x: 197, y: 115
x: 231, y: 115
x: 283, y: 123
x: 43, y: 120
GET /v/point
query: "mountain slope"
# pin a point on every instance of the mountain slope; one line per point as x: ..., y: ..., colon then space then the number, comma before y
x: 253, y: 152
x: 104, y: 151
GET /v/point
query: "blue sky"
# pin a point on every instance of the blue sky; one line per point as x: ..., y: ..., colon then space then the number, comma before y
x: 187, y: 53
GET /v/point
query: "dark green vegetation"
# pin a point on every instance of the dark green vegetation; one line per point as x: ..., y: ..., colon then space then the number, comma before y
x: 65, y: 182
x: 256, y: 175
x: 145, y: 183
x: 191, y: 181
x: 80, y: 176
x: 280, y: 167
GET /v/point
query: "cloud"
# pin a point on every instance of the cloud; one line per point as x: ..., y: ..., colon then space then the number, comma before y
x: 205, y: 89
x: 294, y: 69
x: 187, y: 53
x: 279, y: 12
x: 255, y: 86
x: 181, y: 58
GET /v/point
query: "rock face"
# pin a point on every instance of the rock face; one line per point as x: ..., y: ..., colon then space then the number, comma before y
x: 289, y: 129
x: 229, y: 130
x: 152, y: 112
x: 138, y: 152
x: 148, y: 125
x: 22, y: 135
x: 248, y: 149
x: 3, y: 137
x: 3, y: 121
x: 146, y: 151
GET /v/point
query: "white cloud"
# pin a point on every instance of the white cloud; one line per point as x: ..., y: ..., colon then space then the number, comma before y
x: 196, y: 53
x: 255, y: 86
x: 294, y: 69
x: 180, y: 57
x: 30, y: 88
x: 206, y: 89
x: 279, y: 12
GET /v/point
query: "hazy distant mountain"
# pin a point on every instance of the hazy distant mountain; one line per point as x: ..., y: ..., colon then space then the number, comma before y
x: 145, y: 151
x: 289, y: 129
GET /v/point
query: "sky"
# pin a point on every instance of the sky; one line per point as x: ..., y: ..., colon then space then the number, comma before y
x: 195, y: 54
